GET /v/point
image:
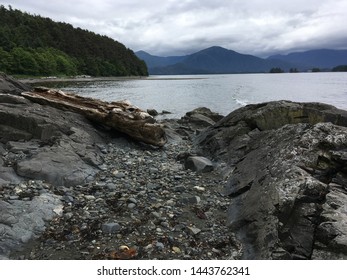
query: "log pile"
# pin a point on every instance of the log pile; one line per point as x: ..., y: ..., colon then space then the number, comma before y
x: 121, y: 115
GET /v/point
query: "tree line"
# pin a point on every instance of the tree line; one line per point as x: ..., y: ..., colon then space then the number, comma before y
x: 34, y: 45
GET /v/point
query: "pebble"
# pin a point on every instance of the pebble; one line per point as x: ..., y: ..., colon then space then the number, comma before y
x: 131, y: 205
x: 111, y: 228
x: 194, y: 230
x: 160, y: 246
x: 142, y: 197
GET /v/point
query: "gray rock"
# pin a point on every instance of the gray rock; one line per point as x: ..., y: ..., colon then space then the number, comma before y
x: 111, y: 228
x: 281, y: 158
x: 152, y: 112
x: 12, y: 86
x: 59, y: 147
x: 159, y: 245
x: 57, y: 166
x: 194, y: 230
x: 8, y: 175
x: 21, y: 221
x: 199, y: 164
x: 186, y: 199
x: 131, y: 205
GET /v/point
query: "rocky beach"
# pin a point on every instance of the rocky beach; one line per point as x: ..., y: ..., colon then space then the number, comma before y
x: 268, y: 181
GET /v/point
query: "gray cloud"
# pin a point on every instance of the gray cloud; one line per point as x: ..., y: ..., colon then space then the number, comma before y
x: 259, y: 27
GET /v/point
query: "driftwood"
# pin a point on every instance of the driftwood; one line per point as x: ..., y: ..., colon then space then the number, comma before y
x: 121, y: 115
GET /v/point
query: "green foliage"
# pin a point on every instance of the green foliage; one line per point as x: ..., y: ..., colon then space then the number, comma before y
x: 33, y: 45
x: 276, y: 70
x: 340, y: 68
x: 315, y: 70
x: 293, y: 70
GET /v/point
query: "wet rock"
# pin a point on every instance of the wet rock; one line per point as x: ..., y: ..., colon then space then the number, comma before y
x: 152, y: 112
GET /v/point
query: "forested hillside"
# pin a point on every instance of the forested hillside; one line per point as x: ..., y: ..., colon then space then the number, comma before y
x: 34, y: 45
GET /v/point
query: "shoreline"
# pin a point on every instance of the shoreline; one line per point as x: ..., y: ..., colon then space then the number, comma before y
x: 76, y: 79
x: 93, y: 79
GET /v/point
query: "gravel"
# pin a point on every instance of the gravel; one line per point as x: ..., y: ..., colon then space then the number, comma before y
x: 143, y: 204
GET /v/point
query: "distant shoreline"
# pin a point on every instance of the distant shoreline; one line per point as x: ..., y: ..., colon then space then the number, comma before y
x: 77, y: 79
x: 92, y: 79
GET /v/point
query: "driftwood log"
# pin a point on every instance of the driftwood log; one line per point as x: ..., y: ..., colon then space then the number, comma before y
x: 121, y: 115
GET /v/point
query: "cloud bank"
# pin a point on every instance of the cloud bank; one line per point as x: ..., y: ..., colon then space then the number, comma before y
x: 258, y: 27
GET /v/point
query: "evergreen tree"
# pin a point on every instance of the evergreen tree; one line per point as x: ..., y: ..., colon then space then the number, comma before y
x: 35, y: 45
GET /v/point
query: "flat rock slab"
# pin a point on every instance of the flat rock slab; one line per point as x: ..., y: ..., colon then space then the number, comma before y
x: 21, y: 221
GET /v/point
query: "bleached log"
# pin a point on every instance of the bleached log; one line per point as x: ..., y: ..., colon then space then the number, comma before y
x: 120, y: 115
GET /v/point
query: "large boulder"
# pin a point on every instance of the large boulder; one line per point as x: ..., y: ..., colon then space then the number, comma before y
x: 287, y: 178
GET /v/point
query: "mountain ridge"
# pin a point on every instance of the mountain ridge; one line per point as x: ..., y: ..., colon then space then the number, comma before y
x: 218, y: 60
x: 320, y: 58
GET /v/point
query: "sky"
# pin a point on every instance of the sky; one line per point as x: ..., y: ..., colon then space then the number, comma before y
x: 180, y: 27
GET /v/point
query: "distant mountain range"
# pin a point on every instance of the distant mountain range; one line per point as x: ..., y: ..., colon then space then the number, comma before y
x: 324, y: 58
x: 218, y: 60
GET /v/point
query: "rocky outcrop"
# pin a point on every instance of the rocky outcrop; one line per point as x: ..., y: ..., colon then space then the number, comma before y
x: 44, y: 143
x: 287, y: 178
x: 11, y: 86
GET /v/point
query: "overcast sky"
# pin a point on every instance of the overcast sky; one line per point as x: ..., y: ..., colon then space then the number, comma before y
x: 177, y: 27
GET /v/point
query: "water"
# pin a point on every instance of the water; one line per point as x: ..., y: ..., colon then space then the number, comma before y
x: 220, y: 93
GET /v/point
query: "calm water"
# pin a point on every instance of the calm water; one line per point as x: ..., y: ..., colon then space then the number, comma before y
x: 220, y: 93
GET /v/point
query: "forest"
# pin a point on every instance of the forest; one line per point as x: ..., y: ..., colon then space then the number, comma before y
x: 37, y: 46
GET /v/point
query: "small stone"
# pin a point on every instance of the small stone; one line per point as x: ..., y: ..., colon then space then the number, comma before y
x: 164, y: 224
x: 160, y: 246
x: 200, y: 189
x: 176, y: 250
x: 199, y: 164
x: 148, y: 247
x: 132, y: 200
x: 155, y: 214
x: 89, y: 197
x: 179, y: 189
x: 194, y: 230
x: 191, y: 199
x: 119, y: 175
x: 111, y: 186
x: 153, y: 170
x: 214, y: 250
x: 110, y: 228
x: 131, y: 205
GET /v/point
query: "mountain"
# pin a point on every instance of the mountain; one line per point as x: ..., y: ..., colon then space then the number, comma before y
x: 213, y: 60
x: 153, y: 61
x: 322, y: 58
x: 34, y: 45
